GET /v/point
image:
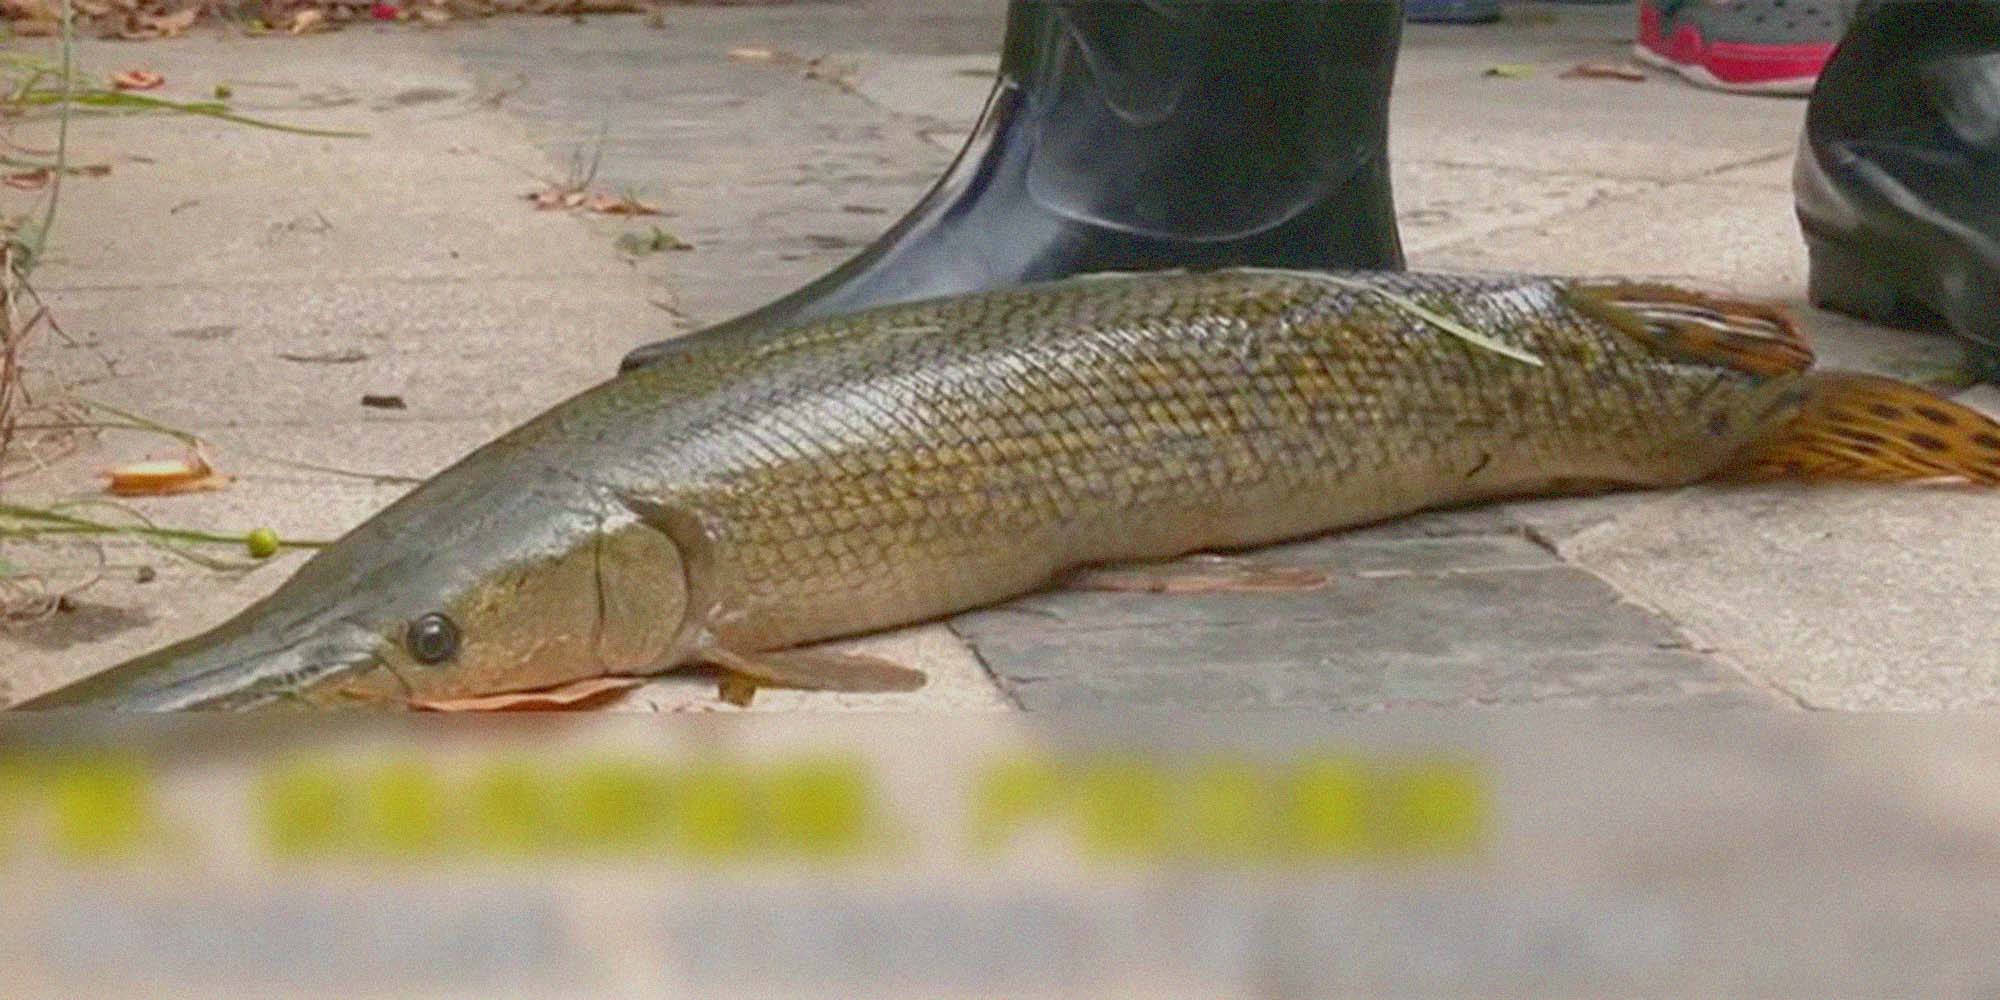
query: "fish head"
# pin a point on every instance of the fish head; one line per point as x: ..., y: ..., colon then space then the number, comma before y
x: 450, y: 593
x: 607, y: 600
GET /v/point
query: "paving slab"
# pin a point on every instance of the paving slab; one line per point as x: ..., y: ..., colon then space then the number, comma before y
x: 1849, y: 598
x: 1404, y: 622
x: 771, y: 175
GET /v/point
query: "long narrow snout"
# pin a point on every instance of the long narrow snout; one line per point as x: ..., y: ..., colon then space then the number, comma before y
x: 232, y: 667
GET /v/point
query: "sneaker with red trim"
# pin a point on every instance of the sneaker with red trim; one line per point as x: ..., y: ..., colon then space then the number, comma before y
x: 1747, y: 46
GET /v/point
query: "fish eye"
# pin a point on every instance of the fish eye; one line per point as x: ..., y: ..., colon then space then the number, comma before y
x: 431, y: 638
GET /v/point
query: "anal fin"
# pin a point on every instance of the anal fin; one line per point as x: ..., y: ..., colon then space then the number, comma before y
x: 809, y: 670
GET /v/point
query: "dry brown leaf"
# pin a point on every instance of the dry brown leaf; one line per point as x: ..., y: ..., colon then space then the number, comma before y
x: 575, y: 695
x: 137, y: 79
x: 551, y: 198
x: 29, y: 180
x: 604, y: 204
x: 190, y: 473
x: 149, y: 19
x: 1605, y: 71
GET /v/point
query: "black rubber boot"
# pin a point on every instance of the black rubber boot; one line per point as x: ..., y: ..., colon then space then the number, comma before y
x: 1898, y: 182
x: 1137, y: 136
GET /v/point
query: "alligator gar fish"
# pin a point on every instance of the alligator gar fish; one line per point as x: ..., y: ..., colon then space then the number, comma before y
x: 750, y: 497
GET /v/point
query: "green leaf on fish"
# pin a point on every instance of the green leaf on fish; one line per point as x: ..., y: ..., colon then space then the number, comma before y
x: 1435, y: 318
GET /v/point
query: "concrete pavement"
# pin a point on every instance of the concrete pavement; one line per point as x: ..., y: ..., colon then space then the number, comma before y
x: 252, y: 286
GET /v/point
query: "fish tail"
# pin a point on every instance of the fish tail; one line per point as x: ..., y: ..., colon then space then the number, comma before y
x: 1874, y: 429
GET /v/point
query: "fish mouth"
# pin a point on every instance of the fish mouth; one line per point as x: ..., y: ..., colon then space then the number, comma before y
x: 228, y: 670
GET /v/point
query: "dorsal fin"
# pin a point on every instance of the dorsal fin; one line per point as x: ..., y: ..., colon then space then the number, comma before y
x: 1758, y: 338
x: 1865, y: 427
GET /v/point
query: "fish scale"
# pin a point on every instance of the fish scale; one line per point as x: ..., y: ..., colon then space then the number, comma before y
x: 911, y: 460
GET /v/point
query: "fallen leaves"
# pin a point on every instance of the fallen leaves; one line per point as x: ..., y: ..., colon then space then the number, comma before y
x: 39, y: 177
x: 550, y: 198
x: 189, y: 473
x: 136, y: 79
x: 148, y: 19
x: 604, y: 204
x: 561, y: 197
x: 819, y: 68
x: 1605, y: 71
x: 574, y: 695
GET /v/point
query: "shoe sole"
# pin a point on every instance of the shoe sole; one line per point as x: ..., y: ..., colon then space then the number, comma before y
x: 1846, y: 279
x: 1702, y: 76
x: 1896, y: 290
x: 1783, y: 70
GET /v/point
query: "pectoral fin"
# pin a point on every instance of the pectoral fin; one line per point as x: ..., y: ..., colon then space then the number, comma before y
x: 809, y: 670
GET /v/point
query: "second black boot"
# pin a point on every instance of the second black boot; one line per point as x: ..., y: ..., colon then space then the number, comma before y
x: 1898, y: 183
x: 1139, y: 136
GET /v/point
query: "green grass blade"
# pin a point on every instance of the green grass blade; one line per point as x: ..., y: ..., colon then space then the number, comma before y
x: 122, y: 100
x: 1429, y: 315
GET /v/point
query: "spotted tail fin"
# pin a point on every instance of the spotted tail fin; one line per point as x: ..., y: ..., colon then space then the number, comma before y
x: 1864, y: 427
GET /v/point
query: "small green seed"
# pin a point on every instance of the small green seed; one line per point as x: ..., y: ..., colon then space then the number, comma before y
x: 263, y: 543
